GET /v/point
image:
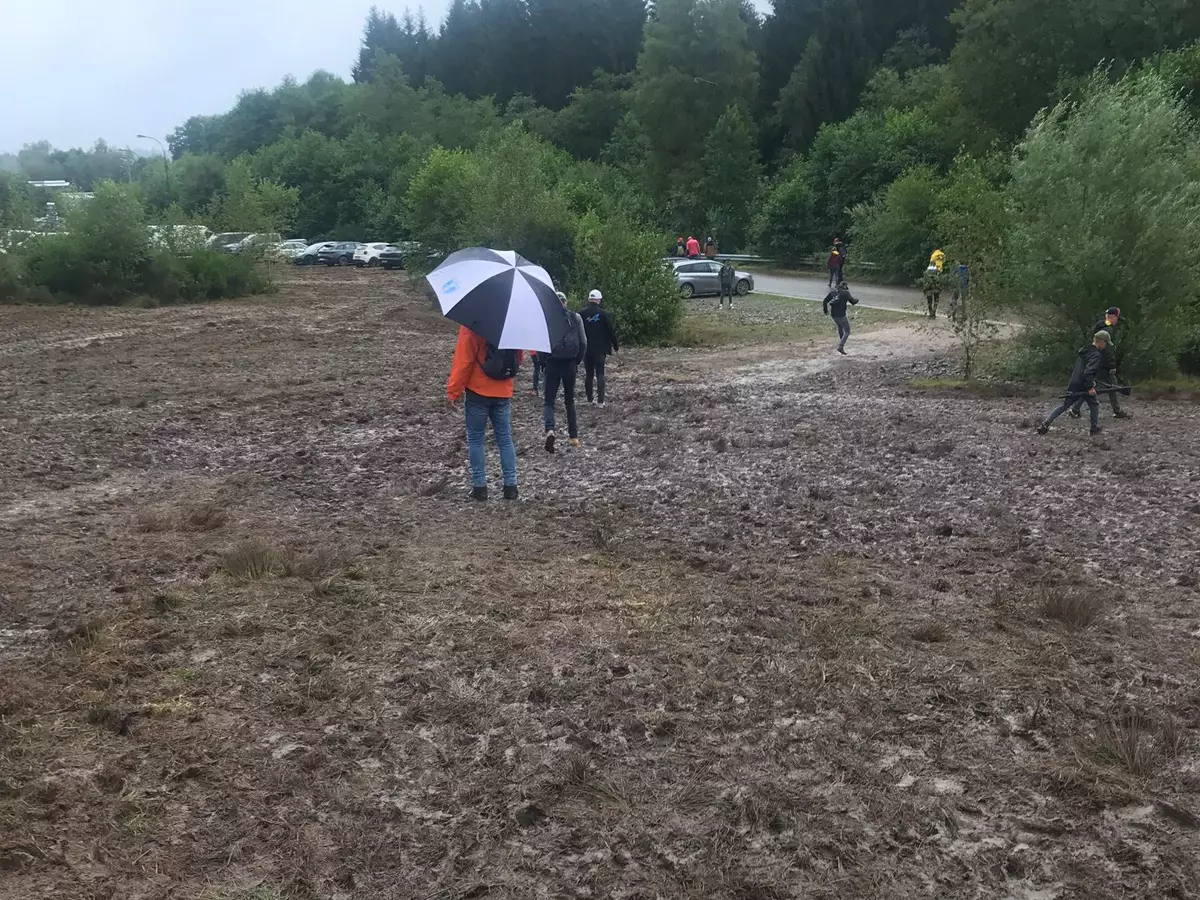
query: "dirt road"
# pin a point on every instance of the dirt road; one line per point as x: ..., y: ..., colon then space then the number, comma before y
x: 873, y: 296
x: 784, y: 627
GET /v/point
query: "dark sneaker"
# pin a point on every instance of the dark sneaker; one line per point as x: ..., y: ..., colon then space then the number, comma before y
x: 1043, y: 429
x: 1122, y: 415
x: 1075, y: 414
x: 842, y: 350
x: 479, y: 495
x: 510, y: 492
x: 550, y: 441
x: 1096, y: 430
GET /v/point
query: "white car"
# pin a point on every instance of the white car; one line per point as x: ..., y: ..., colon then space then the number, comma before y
x: 368, y: 254
x: 289, y: 249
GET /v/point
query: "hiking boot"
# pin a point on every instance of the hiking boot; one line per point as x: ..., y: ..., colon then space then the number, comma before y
x: 479, y: 495
x: 510, y: 492
x: 1121, y: 414
x: 575, y: 443
x: 1097, y: 430
x: 1043, y: 428
x: 842, y: 350
x: 1075, y: 414
x: 550, y: 441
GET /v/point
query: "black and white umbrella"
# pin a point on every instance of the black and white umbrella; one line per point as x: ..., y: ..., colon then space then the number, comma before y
x: 501, y: 296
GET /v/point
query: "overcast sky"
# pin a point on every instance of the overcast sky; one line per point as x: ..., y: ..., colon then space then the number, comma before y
x: 78, y: 70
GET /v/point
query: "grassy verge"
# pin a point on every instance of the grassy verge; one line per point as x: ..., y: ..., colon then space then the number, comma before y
x: 764, y: 318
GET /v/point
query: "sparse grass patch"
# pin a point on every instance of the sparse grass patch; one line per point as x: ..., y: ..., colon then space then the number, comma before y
x: 982, y: 389
x: 931, y: 632
x: 207, y: 515
x: 154, y: 520
x: 1138, y: 742
x: 254, y: 559
x: 1073, y: 607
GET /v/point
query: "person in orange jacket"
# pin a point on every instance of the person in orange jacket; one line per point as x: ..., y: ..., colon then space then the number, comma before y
x: 481, y: 383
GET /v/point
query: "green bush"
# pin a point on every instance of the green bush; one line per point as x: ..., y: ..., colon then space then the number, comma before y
x: 897, y: 230
x: 106, y: 257
x: 625, y: 264
x: 1104, y: 194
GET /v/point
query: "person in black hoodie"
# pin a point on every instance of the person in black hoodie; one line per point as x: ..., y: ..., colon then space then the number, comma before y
x: 601, y: 341
x: 1088, y: 362
x: 1108, y: 363
x: 835, y: 306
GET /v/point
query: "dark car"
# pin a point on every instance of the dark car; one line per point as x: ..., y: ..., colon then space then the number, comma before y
x: 392, y: 258
x: 339, y: 254
x: 308, y: 256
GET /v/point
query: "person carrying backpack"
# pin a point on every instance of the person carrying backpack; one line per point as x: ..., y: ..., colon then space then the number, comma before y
x: 483, y: 375
x: 561, y: 369
x: 601, y: 341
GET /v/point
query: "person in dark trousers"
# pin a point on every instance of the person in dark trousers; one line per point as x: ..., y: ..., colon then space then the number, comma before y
x: 1108, y: 363
x: 561, y: 370
x: 1088, y: 362
x: 601, y: 341
x: 727, y: 277
x: 835, y: 267
x: 710, y: 248
x: 538, y: 363
x: 835, y: 306
x: 840, y: 246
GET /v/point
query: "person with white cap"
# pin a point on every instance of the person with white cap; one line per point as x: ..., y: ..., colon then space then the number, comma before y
x: 601, y: 341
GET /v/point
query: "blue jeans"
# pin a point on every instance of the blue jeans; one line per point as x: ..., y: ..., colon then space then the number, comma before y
x: 536, y: 365
x: 478, y: 411
x: 1093, y: 408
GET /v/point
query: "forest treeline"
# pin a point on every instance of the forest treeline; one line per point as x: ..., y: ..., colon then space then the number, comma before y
x: 528, y: 122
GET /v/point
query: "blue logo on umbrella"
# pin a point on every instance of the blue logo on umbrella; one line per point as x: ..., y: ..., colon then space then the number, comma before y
x: 450, y: 287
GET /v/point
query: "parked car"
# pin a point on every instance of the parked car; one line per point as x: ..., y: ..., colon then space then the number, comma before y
x: 392, y: 257
x: 368, y: 254
x: 289, y: 249
x: 696, y: 278
x: 308, y: 256
x: 223, y: 242
x: 340, y: 254
x: 256, y: 242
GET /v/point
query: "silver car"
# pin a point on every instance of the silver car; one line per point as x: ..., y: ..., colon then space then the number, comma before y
x: 698, y: 277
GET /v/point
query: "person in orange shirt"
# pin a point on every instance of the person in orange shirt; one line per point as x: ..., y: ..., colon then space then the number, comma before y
x: 481, y: 383
x: 693, y: 248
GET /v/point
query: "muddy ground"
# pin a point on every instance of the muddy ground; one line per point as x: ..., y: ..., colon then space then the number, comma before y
x: 785, y: 627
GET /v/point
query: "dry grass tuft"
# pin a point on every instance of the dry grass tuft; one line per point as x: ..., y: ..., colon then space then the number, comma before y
x: 1140, y: 742
x: 316, y: 565
x: 254, y: 559
x: 154, y: 520
x: 1075, y: 608
x: 931, y: 632
x: 208, y: 515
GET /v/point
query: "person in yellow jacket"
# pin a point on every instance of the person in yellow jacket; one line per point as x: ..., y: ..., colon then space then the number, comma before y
x: 938, y: 259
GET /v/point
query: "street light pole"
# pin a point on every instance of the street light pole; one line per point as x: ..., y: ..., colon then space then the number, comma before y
x: 166, y: 163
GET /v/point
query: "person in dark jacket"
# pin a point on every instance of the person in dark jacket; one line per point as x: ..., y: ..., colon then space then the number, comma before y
x: 679, y: 250
x: 1083, y: 382
x: 601, y: 341
x: 835, y: 306
x: 1108, y: 364
x: 562, y: 366
x: 727, y: 276
x: 834, y: 264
